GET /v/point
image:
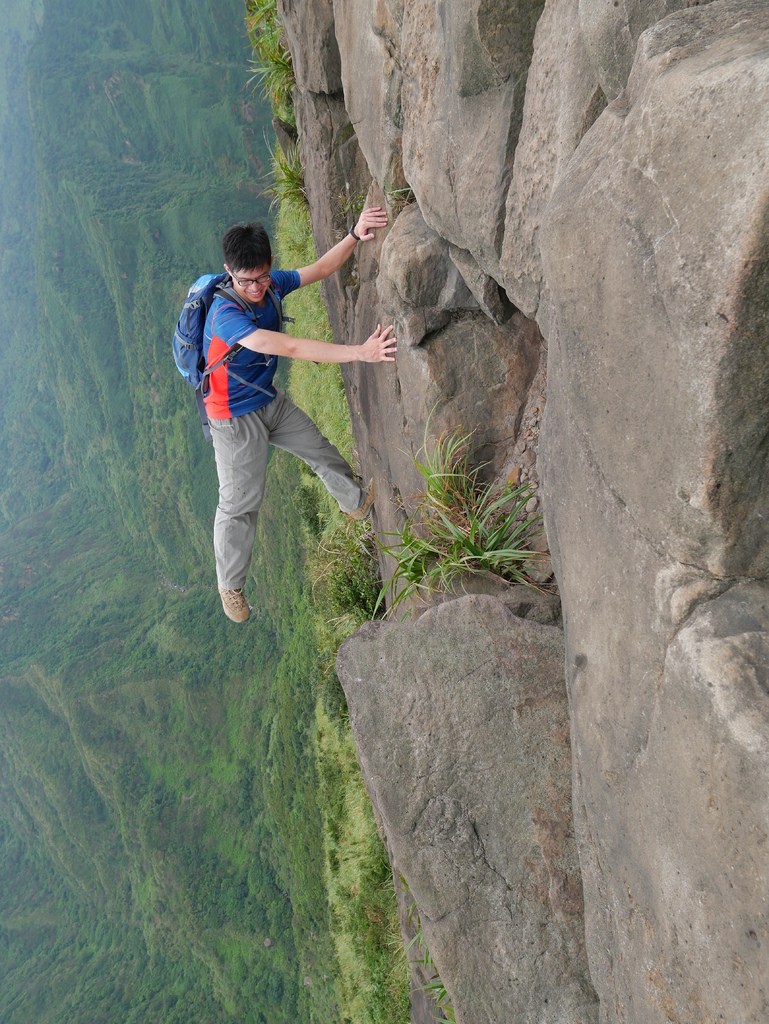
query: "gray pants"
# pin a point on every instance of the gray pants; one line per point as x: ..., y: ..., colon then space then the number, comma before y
x: 241, y: 447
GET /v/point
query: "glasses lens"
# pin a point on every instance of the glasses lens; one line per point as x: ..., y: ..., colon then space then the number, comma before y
x: 247, y: 282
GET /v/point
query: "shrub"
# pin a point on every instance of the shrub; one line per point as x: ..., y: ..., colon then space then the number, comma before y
x: 345, y: 575
x: 307, y: 501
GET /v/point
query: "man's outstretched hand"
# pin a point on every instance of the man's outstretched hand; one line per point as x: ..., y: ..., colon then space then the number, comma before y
x: 371, y: 218
x: 379, y: 347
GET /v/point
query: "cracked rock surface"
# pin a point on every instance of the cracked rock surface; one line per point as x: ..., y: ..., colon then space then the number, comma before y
x: 491, y: 863
x: 653, y: 467
x: 603, y: 165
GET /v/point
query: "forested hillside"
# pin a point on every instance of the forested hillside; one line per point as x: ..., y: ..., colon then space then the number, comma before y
x: 160, y: 844
x: 145, y: 144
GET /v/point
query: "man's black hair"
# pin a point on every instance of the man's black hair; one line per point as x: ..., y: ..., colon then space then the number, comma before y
x: 247, y: 247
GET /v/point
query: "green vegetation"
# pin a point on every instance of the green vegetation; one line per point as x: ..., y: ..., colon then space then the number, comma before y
x: 459, y: 526
x: 398, y: 198
x: 287, y: 185
x: 371, y: 972
x: 133, y: 721
x: 159, y: 819
x: 159, y: 774
x: 184, y: 832
x: 352, y: 203
x: 272, y: 65
x: 29, y: 425
x: 273, y: 69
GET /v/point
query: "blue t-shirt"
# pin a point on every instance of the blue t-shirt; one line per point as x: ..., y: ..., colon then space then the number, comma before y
x: 226, y: 325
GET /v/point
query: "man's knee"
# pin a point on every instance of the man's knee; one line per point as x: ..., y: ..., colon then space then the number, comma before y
x: 234, y: 501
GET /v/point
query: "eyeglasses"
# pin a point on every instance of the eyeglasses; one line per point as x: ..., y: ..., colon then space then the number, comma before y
x: 248, y: 282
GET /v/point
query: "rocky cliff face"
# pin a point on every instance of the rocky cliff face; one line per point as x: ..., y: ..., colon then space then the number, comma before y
x: 589, y: 240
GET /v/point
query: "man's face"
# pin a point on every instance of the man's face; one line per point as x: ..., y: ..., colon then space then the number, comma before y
x: 251, y: 285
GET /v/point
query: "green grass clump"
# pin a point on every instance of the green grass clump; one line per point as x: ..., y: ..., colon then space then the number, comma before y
x: 351, y: 580
x: 273, y: 68
x: 398, y: 198
x: 460, y: 525
x: 435, y: 987
x: 345, y: 577
x: 287, y: 186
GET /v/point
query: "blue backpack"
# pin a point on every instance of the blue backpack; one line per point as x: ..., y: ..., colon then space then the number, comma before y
x: 188, y: 336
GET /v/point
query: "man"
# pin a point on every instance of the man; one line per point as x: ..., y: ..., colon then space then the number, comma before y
x: 246, y: 413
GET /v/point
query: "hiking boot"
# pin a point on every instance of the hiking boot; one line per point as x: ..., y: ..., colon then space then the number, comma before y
x: 234, y: 604
x: 368, y: 501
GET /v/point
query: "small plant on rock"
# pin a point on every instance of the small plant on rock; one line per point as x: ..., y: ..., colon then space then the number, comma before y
x: 352, y: 203
x: 273, y: 68
x: 460, y: 525
x: 287, y: 186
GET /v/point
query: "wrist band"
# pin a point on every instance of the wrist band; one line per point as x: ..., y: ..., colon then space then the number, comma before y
x: 352, y: 232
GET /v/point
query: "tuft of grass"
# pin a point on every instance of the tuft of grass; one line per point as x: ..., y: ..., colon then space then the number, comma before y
x: 352, y: 203
x: 287, y: 187
x: 460, y: 525
x: 344, y: 576
x: 272, y: 66
x: 398, y: 198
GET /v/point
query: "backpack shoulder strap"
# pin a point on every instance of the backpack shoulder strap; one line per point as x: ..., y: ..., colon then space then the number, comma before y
x: 228, y: 292
x: 203, y: 414
x: 278, y: 306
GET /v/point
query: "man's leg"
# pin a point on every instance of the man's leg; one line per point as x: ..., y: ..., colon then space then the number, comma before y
x: 240, y: 447
x: 292, y: 429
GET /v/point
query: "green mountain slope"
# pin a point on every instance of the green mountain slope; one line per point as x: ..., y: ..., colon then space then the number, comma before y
x: 160, y: 841
x: 146, y: 144
x: 28, y: 424
x: 130, y: 771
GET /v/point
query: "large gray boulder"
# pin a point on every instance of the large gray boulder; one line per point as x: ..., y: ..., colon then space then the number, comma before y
x: 657, y: 264
x: 309, y: 28
x: 464, y: 76
x: 612, y: 30
x: 369, y: 36
x: 461, y: 725
x: 563, y: 99
x: 653, y: 463
x: 419, y: 285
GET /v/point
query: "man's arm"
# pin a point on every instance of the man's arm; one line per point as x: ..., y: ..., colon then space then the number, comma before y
x: 378, y: 348
x: 371, y: 218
